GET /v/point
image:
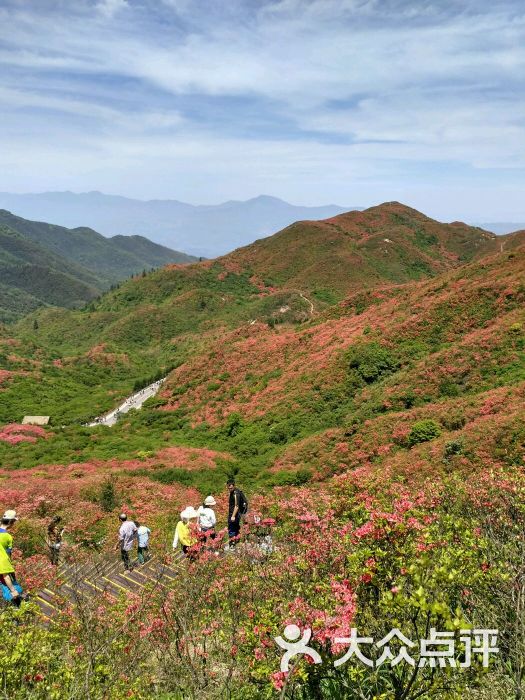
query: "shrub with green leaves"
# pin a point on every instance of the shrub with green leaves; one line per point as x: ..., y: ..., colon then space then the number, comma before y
x: 423, y: 431
x: 369, y: 362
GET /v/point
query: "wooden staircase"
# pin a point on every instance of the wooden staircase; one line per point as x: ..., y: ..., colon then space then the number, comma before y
x: 104, y: 575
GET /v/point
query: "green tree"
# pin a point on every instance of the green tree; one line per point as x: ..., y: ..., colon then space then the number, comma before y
x: 108, y: 496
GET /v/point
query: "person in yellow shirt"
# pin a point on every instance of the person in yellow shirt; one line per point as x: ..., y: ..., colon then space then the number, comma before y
x: 185, y: 530
x: 10, y: 588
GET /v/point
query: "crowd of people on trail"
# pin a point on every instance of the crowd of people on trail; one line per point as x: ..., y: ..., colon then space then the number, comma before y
x: 197, y: 526
x: 128, y: 403
x: 195, y: 530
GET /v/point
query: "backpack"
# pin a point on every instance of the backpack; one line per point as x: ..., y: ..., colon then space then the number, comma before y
x: 6, y: 593
x: 243, y: 503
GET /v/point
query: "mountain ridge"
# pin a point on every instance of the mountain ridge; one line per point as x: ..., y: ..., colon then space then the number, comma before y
x: 390, y: 242
x: 155, y: 321
x: 204, y: 230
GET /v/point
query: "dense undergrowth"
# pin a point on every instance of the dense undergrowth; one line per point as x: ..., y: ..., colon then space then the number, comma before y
x: 372, y: 550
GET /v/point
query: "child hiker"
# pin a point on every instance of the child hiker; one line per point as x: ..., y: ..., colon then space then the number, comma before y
x: 143, y: 535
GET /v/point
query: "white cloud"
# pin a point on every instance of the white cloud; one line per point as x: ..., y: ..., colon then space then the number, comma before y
x: 108, y: 8
x: 349, y: 93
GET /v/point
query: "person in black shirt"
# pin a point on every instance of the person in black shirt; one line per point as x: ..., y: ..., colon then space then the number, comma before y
x: 234, y: 513
x: 55, y: 532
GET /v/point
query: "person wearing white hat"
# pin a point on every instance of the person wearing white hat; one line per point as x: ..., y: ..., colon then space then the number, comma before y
x: 207, y: 517
x: 11, y: 590
x: 183, y: 532
x: 10, y: 515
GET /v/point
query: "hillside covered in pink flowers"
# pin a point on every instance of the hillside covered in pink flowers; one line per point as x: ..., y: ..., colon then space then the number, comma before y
x: 381, y: 427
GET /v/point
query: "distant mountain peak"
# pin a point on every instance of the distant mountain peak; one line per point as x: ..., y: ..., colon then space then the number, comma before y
x: 203, y: 230
x: 388, y: 243
x: 267, y: 198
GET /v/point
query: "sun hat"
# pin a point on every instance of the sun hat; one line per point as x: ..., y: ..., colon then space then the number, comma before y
x: 123, y: 516
x: 189, y: 513
x: 210, y: 501
x: 9, y: 515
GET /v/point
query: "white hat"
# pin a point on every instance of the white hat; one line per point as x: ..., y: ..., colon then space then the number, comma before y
x: 210, y: 501
x: 189, y: 512
x: 9, y: 515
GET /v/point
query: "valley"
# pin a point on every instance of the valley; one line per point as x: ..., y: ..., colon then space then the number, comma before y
x: 47, y: 265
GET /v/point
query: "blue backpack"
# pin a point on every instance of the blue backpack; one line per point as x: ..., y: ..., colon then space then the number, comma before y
x: 6, y: 593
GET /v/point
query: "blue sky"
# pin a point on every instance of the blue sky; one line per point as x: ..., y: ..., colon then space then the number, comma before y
x: 323, y: 101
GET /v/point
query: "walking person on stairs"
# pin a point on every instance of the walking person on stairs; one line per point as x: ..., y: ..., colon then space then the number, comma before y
x: 237, y: 508
x: 207, y: 519
x: 143, y: 535
x: 185, y: 532
x: 126, y: 537
x: 54, y: 539
x: 10, y: 589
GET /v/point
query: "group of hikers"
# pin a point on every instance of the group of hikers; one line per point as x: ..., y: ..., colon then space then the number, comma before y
x: 129, y: 403
x: 196, y: 526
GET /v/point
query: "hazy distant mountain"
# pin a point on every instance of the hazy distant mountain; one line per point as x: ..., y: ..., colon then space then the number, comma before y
x: 202, y: 230
x: 503, y: 227
x: 42, y: 264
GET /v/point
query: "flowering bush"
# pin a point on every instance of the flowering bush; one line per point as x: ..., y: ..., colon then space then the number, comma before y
x: 14, y: 433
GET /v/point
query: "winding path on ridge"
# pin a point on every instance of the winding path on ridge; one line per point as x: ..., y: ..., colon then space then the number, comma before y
x: 134, y: 401
x: 308, y: 301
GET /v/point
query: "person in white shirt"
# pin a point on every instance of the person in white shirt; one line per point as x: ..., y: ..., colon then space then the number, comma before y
x: 126, y: 536
x: 143, y: 535
x: 207, y: 518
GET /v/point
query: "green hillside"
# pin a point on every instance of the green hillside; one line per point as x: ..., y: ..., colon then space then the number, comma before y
x: 15, y: 303
x: 31, y: 276
x: 390, y: 244
x: 16, y: 249
x: 147, y: 253
x: 111, y: 259
x: 159, y: 320
x: 43, y: 264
